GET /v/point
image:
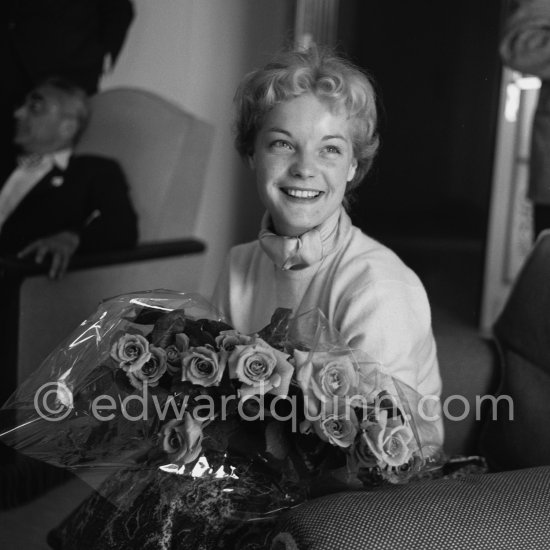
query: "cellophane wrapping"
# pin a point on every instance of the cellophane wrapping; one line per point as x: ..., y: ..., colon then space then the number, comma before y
x: 157, y: 383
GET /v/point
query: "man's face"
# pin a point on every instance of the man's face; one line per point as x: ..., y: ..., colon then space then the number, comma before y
x: 45, y: 123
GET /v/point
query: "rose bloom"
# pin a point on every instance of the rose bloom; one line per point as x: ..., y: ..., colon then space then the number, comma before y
x: 325, y: 377
x: 130, y: 350
x: 202, y: 366
x: 390, y: 440
x: 182, y: 439
x: 175, y: 351
x: 228, y: 339
x: 150, y: 372
x: 362, y: 454
x: 260, y: 368
x: 338, y: 427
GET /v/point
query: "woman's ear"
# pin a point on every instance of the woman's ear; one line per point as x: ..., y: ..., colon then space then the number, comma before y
x: 352, y: 169
x: 250, y: 160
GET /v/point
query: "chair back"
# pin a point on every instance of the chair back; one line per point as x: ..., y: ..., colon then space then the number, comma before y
x: 163, y: 151
x: 523, y: 326
x: 515, y: 433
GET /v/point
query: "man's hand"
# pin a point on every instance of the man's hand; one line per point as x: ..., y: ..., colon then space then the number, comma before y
x: 60, y: 247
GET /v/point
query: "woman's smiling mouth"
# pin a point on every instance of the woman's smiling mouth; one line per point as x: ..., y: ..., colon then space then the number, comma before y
x: 301, y: 193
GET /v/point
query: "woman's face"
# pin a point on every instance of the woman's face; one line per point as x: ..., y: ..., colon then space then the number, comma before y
x: 303, y: 159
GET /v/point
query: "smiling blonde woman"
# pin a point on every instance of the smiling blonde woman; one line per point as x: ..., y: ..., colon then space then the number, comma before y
x: 306, y: 125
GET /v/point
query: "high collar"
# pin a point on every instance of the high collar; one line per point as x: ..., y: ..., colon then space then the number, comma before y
x: 307, y: 249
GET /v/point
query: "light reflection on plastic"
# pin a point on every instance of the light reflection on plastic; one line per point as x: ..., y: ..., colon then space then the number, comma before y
x: 149, y: 305
x: 64, y: 393
x: 90, y: 332
x: 201, y: 467
x: 65, y: 374
x: 221, y: 473
x: 170, y: 468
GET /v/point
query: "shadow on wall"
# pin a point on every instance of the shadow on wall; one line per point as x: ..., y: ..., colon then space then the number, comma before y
x: 257, y: 49
x: 438, y: 73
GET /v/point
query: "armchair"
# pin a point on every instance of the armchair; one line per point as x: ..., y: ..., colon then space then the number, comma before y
x: 163, y: 151
x: 505, y: 508
x: 518, y: 436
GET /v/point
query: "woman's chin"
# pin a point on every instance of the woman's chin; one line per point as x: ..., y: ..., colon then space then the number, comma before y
x: 294, y: 230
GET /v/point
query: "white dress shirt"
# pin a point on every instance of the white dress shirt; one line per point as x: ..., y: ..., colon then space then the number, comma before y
x: 30, y: 170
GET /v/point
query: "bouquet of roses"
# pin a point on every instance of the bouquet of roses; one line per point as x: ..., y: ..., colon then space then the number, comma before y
x: 158, y: 380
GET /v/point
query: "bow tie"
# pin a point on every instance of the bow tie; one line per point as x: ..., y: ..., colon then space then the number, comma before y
x: 306, y: 249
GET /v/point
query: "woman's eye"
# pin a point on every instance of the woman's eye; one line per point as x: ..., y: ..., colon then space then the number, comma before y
x: 280, y: 144
x: 332, y: 149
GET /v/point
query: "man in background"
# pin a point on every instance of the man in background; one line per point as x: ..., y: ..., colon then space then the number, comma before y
x: 525, y: 47
x: 76, y: 39
x: 54, y: 202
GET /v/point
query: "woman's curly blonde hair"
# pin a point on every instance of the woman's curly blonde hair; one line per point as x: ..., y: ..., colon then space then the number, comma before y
x: 320, y: 72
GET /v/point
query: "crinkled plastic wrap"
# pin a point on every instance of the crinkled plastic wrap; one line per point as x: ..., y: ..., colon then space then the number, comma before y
x: 157, y: 382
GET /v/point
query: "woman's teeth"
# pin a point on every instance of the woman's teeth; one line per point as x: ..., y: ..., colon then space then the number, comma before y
x: 302, y: 193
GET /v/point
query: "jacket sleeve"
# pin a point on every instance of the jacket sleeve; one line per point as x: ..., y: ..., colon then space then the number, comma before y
x: 525, y: 42
x: 112, y: 222
x: 115, y: 17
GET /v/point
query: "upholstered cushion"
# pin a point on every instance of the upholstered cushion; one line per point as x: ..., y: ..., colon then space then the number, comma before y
x: 516, y: 433
x: 490, y: 511
x: 524, y: 324
x: 522, y: 332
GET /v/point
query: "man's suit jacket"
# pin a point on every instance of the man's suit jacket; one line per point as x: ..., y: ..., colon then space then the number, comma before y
x: 89, y: 197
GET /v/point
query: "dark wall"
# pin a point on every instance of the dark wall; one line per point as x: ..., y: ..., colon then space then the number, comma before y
x: 438, y: 73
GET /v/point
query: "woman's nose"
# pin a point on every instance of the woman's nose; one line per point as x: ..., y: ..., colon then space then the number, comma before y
x: 304, y: 165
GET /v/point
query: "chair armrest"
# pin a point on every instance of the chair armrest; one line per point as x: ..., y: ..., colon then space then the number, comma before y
x: 18, y: 268
x: 14, y: 273
x: 475, y: 511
